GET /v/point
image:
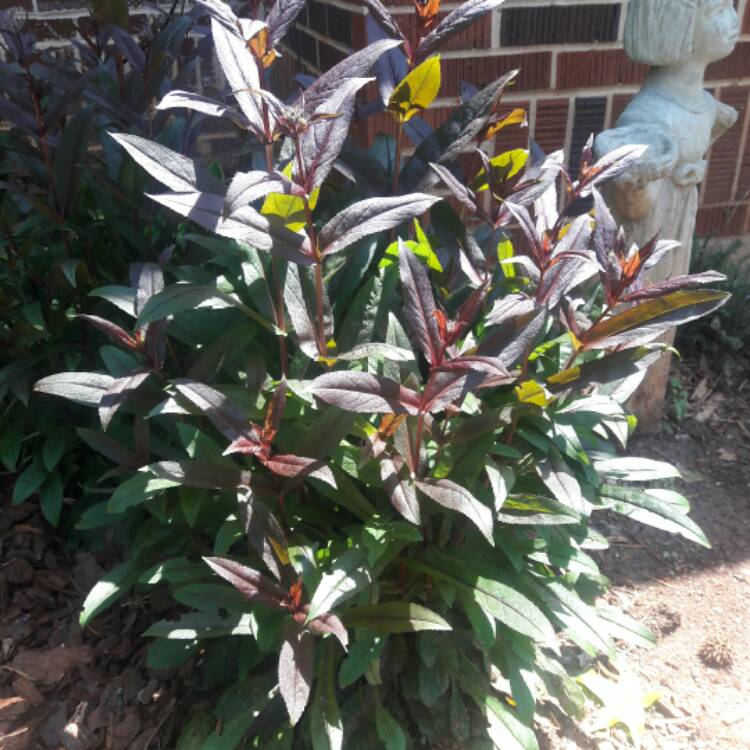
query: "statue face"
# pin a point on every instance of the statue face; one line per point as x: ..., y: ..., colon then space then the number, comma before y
x: 717, y: 29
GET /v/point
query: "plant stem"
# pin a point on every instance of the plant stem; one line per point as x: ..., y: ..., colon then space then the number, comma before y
x: 397, y: 160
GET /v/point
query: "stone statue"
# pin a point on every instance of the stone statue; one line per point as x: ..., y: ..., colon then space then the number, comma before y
x: 679, y: 121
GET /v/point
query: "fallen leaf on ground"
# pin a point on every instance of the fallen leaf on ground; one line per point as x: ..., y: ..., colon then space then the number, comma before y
x: 50, y: 666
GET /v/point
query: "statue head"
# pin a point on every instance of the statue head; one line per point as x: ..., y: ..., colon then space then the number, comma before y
x: 667, y: 32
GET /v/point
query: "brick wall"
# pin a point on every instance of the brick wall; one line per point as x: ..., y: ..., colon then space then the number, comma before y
x: 575, y: 79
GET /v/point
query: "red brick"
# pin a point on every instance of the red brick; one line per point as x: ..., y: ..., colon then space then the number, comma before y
x: 737, y: 65
x: 476, y: 36
x: 722, y: 221
x: 57, y: 29
x: 597, y: 68
x: 534, y: 71
x: 746, y: 22
x: 551, y: 124
x: 723, y: 161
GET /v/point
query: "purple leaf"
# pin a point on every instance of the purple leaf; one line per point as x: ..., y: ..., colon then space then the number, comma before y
x: 514, y: 337
x: 330, y: 623
x: 265, y: 535
x: 225, y: 415
x: 203, y: 104
x: 245, y: 224
x: 674, y: 284
x: 392, y: 66
x: 300, y: 314
x: 363, y: 393
x: 509, y: 307
x: 201, y: 474
x: 321, y: 143
x: 357, y: 65
x: 382, y: 15
x: 443, y: 388
x: 459, y: 19
x: 247, y: 187
x: 280, y: 18
x: 148, y: 280
x: 490, y: 366
x: 400, y: 488
x: 296, y: 671
x: 253, y: 585
x: 174, y: 170
x: 115, y: 332
x: 240, y: 70
x: 419, y: 304
x: 612, y: 165
x: 82, y: 387
x: 371, y: 216
x: 451, y: 495
x: 117, y: 394
x: 298, y: 467
x: 128, y: 47
x: 464, y: 195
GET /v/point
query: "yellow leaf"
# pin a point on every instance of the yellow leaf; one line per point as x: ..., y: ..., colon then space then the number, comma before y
x: 503, y: 167
x: 531, y: 392
x: 290, y: 208
x: 505, y: 252
x: 420, y: 249
x: 516, y: 117
x: 416, y: 91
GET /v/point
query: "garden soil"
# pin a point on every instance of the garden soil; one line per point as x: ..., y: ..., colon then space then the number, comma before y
x: 61, y: 687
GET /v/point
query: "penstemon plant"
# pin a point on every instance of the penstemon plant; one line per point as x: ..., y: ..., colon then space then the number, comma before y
x: 383, y: 404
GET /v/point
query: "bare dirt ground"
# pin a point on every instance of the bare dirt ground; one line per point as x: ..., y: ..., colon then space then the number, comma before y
x: 696, y: 600
x: 97, y: 692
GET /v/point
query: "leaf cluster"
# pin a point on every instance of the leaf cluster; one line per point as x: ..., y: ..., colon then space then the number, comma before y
x: 363, y: 442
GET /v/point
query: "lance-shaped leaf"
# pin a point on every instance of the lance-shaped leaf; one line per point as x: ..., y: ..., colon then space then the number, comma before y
x: 148, y: 280
x: 464, y: 195
x: 117, y: 394
x: 280, y: 18
x: 329, y: 623
x: 378, y: 351
x: 384, y: 18
x: 395, y: 617
x: 649, y: 319
x: 455, y: 497
x: 453, y: 136
x: 177, y: 172
x: 298, y: 467
x: 460, y: 18
x: 245, y: 224
x: 300, y: 314
x: 363, y: 392
x: 371, y: 216
x: 202, y: 104
x: 82, y: 387
x: 253, y: 585
x: 444, y: 387
x: 561, y: 482
x: 265, y: 535
x: 201, y: 474
x: 115, y: 332
x: 419, y: 304
x: 225, y: 415
x: 181, y: 297
x: 515, y: 337
x: 400, y: 488
x: 356, y: 65
x: 348, y: 575
x: 326, y: 726
x: 416, y: 91
x: 241, y: 72
x: 673, y: 284
x: 321, y: 143
x: 247, y: 187
x: 296, y: 660
x: 611, y: 165
x: 655, y: 508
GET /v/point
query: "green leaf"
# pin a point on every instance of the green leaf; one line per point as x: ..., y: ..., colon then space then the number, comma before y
x: 632, y: 469
x: 416, y: 91
x: 209, y: 597
x: 136, y: 490
x: 326, y: 726
x: 109, y: 589
x: 163, y: 654
x: 10, y: 444
x: 51, y: 498
x: 362, y: 653
x: 389, y: 730
x: 348, y: 575
x: 30, y: 480
x: 199, y: 625
x: 654, y: 509
x: 394, y: 617
x: 54, y: 447
x: 198, y: 727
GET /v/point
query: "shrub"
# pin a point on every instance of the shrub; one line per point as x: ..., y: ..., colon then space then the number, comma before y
x: 72, y: 217
x: 383, y: 419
